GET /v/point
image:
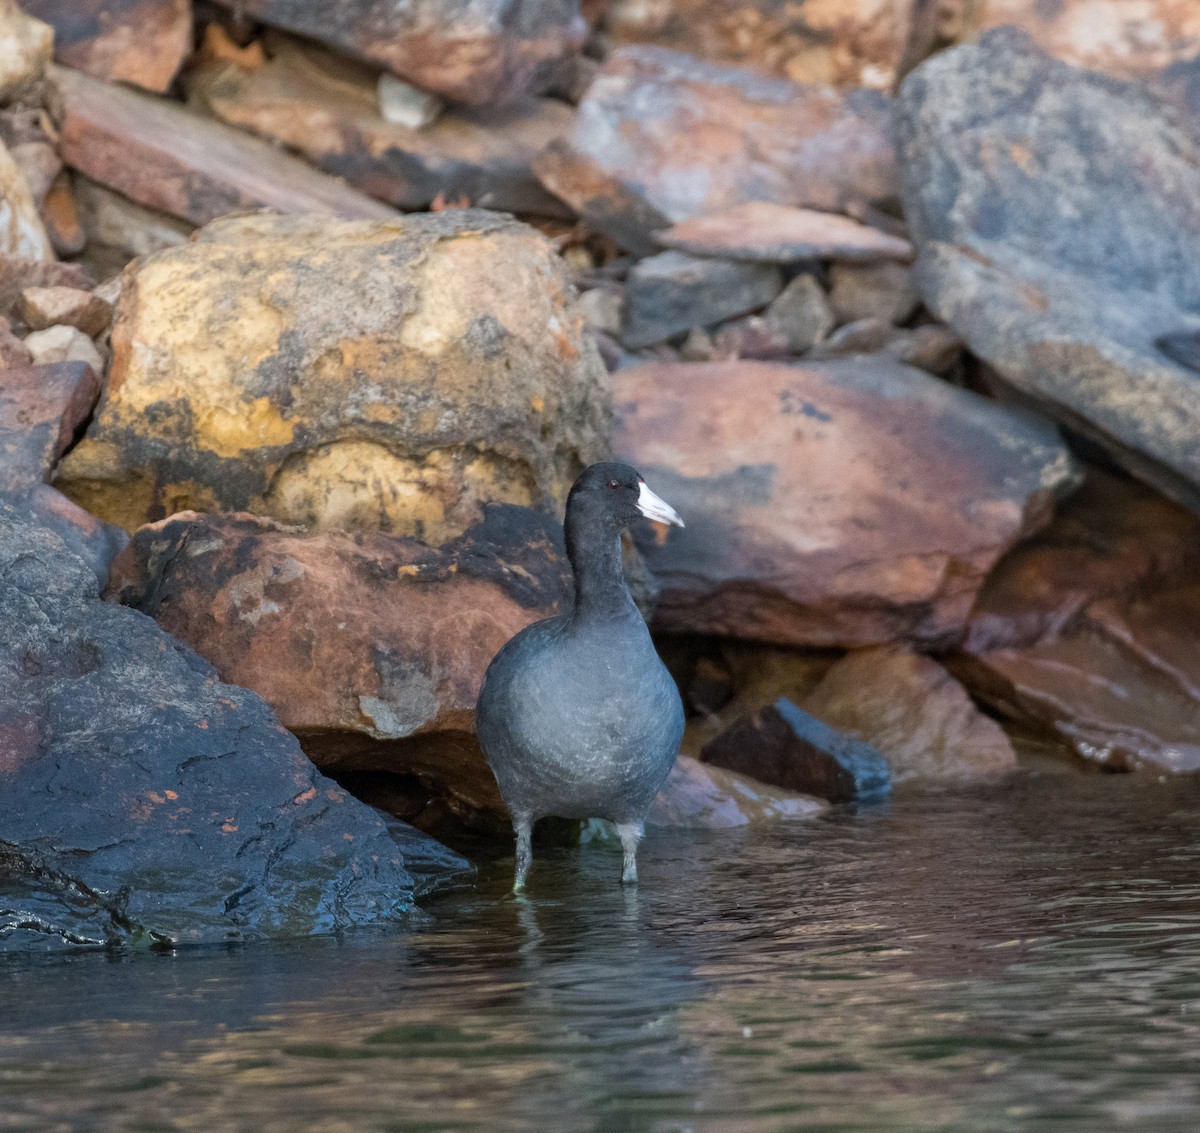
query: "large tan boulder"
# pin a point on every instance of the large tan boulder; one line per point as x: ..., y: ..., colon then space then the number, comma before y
x: 345, y: 374
x: 834, y: 504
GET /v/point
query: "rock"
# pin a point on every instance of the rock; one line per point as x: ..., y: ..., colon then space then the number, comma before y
x: 884, y: 291
x: 405, y: 105
x: 21, y: 231
x: 370, y: 648
x: 1062, y: 281
x: 839, y: 504
x: 39, y: 164
x: 41, y: 409
x: 753, y: 337
x: 63, y: 344
x: 865, y: 336
x: 699, y: 796
x: 710, y: 687
x: 720, y: 137
x: 931, y: 347
x: 602, y: 199
x: 1127, y: 41
x: 914, y: 712
x: 477, y: 53
x: 1087, y: 629
x: 345, y: 374
x: 160, y: 155
x: 673, y: 292
x: 143, y: 42
x: 773, y: 233
x: 25, y: 47
x: 328, y: 110
x: 600, y: 308
x: 857, y: 43
x: 44, y: 307
x: 784, y: 745
x: 94, y: 542
x: 17, y: 273
x: 116, y: 229
x: 14, y: 354
x: 801, y: 312
x: 698, y: 346
x: 60, y: 216
x: 145, y: 801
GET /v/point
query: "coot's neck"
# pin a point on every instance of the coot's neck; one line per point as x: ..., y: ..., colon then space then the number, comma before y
x: 595, y: 556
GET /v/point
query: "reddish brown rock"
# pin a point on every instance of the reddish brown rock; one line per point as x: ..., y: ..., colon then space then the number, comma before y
x: 845, y: 42
x: 44, y: 307
x: 371, y: 648
x: 838, y: 504
x: 914, y: 712
x: 41, y: 410
x: 134, y: 41
x: 760, y: 230
x: 690, y: 138
x: 60, y: 215
x: 161, y: 155
x: 328, y: 110
x: 786, y: 746
x: 14, y: 354
x: 1089, y: 629
x: 1116, y: 37
x: 477, y: 53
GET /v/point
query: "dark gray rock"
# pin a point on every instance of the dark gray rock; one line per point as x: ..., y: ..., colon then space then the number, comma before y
x: 673, y: 292
x: 1057, y: 212
x: 142, y: 800
x: 786, y: 746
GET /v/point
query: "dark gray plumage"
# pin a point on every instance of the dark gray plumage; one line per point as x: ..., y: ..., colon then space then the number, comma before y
x: 578, y: 716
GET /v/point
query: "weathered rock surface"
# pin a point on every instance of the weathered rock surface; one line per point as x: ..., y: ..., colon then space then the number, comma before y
x: 20, y: 272
x: 146, y: 801
x: 673, y: 292
x: 143, y: 42
x: 801, y: 528
x: 1113, y: 36
x: 915, y: 713
x: 802, y: 314
x: 22, y: 233
x: 116, y: 229
x: 345, y: 374
x: 774, y: 233
x: 163, y: 156
x: 476, y: 53
x: 44, y: 307
x: 786, y: 746
x: 25, y: 47
x: 61, y: 343
x: 690, y: 138
x: 328, y: 110
x: 1090, y: 628
x: 702, y: 796
x: 371, y: 649
x: 851, y: 42
x: 1064, y: 280
x: 884, y: 291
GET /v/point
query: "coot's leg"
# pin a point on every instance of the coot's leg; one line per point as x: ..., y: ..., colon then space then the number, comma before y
x: 524, y: 829
x: 631, y: 833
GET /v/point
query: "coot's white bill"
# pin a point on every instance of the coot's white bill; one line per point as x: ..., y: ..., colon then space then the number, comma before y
x: 652, y: 507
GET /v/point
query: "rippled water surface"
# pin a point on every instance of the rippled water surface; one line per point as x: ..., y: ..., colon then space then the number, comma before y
x: 1020, y: 958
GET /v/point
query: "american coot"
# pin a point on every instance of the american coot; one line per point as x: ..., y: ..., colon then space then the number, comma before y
x: 577, y: 715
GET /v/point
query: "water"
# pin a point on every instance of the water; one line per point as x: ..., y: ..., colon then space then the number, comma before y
x: 1017, y: 958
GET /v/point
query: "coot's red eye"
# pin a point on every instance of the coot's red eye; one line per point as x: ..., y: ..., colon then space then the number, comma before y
x: 614, y: 484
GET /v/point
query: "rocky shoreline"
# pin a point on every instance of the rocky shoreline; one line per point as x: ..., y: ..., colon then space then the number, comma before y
x: 306, y: 326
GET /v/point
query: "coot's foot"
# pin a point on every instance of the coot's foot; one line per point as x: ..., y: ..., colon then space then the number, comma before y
x: 631, y: 834
x: 524, y: 829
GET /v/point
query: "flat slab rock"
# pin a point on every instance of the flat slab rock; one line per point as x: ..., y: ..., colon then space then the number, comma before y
x: 345, y: 374
x: 147, y: 802
x: 1067, y: 281
x: 370, y: 648
x: 834, y: 504
x: 328, y: 110
x: 773, y: 233
x: 689, y: 138
x: 166, y: 157
x: 1089, y: 630
x: 788, y: 747
x: 143, y: 42
x: 477, y: 53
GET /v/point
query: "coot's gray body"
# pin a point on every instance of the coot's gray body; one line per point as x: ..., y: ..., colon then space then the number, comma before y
x: 578, y: 716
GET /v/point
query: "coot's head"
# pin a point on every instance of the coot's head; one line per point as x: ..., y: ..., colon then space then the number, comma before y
x: 611, y: 496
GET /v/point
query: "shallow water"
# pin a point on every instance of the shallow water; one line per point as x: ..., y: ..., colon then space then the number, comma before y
x: 1024, y: 957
